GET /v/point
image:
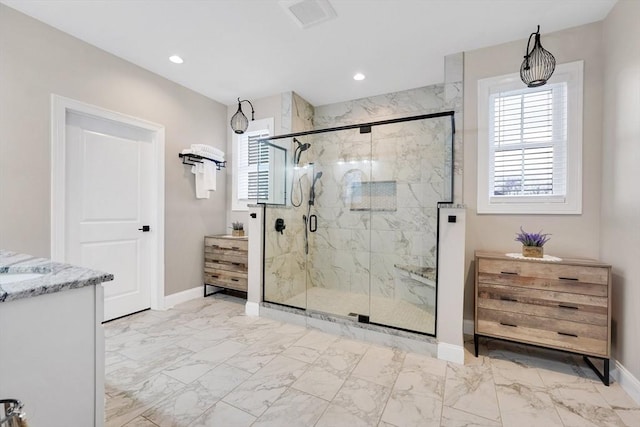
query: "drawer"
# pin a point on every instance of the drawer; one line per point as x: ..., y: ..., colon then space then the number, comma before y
x: 546, y: 338
x: 556, y: 326
x: 539, y: 297
x: 227, y: 244
x: 572, y: 312
x: 215, y: 253
x: 211, y: 264
x: 225, y: 280
x: 545, y: 270
x: 559, y: 285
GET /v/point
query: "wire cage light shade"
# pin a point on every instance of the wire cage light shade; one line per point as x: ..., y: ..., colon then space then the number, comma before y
x: 239, y: 122
x: 538, y: 64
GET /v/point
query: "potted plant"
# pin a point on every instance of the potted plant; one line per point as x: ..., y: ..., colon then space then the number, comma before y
x: 532, y: 243
x: 238, y: 229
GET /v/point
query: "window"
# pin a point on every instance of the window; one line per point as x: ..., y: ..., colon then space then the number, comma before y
x: 530, y: 144
x: 251, y: 175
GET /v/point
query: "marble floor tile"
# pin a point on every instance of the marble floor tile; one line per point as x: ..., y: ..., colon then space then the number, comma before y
x: 204, y: 363
x: 182, y: 407
x: 257, y: 393
x: 471, y: 389
x: 223, y: 414
x: 125, y: 407
x: 293, y: 408
x: 140, y: 422
x: 380, y: 365
x: 579, y: 407
x: 452, y: 417
x: 220, y: 380
x: 526, y: 406
x: 359, y: 403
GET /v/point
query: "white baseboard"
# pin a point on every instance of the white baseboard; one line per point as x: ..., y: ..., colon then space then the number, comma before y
x: 627, y: 381
x: 451, y: 353
x: 468, y: 327
x: 184, y: 296
x: 252, y: 309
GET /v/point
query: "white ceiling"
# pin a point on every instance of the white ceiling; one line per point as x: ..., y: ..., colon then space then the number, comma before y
x: 252, y: 48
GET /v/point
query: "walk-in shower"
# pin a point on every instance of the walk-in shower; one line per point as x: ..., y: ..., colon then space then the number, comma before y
x: 361, y: 236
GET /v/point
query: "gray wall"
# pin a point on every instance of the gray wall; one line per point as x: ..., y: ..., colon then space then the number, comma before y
x: 620, y: 227
x: 37, y: 60
x: 572, y: 235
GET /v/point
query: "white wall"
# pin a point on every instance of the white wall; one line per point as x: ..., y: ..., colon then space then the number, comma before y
x: 37, y: 60
x: 572, y: 235
x: 620, y: 224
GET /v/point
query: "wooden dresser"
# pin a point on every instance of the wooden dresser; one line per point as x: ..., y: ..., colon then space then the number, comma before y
x: 225, y: 262
x: 564, y: 305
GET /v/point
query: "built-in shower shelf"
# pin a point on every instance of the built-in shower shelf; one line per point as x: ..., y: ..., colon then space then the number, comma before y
x: 379, y: 196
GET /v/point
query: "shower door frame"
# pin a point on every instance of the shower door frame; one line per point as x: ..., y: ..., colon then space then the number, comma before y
x: 367, y: 128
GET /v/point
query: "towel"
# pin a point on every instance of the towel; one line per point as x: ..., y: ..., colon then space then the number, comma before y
x: 207, y: 154
x: 204, y: 148
x: 205, y: 177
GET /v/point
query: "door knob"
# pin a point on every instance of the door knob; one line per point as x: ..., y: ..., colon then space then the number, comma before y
x: 145, y: 228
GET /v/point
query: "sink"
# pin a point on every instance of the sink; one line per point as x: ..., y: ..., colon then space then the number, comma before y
x: 17, y: 277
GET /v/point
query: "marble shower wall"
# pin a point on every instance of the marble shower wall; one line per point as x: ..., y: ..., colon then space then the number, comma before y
x: 285, y: 259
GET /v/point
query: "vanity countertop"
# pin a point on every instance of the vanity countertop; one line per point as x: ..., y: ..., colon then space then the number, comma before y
x: 56, y: 276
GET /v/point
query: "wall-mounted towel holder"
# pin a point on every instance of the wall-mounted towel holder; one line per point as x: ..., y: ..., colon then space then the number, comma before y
x: 192, y: 159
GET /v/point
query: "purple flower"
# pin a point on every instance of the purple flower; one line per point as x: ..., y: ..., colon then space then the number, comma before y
x: 532, y: 239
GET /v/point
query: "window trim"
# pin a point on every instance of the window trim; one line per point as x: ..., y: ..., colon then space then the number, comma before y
x: 255, y: 125
x: 572, y: 74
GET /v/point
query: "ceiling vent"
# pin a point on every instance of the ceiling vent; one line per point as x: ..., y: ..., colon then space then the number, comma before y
x: 306, y: 13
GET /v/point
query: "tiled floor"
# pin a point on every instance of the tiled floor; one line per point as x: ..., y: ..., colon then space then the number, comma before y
x: 204, y: 363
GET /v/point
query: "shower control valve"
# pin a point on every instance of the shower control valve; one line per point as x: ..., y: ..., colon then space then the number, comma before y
x: 280, y: 226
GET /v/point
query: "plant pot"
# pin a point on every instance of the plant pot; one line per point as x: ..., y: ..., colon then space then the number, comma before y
x: 237, y: 233
x: 533, y: 251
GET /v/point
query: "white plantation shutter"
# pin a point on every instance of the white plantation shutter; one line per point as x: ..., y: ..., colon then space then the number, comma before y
x: 253, y: 166
x: 528, y: 142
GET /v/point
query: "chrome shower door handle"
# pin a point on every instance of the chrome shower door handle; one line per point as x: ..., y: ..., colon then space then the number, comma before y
x: 313, y: 223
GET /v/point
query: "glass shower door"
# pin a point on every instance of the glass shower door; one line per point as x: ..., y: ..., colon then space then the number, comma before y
x: 339, y: 265
x: 410, y: 175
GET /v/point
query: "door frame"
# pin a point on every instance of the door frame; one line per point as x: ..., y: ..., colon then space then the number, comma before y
x: 59, y: 108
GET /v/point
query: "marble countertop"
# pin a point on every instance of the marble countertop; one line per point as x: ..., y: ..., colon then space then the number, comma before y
x: 56, y: 277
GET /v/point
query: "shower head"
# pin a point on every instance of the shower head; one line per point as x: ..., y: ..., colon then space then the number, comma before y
x: 299, y: 149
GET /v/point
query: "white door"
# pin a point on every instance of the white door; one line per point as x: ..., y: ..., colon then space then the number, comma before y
x: 108, y: 202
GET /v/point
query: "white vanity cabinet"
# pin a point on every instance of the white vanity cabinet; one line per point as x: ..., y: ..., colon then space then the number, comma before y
x: 52, y: 357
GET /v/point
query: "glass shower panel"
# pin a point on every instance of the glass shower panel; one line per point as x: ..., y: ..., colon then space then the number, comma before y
x: 338, y: 216
x: 285, y: 261
x: 410, y: 174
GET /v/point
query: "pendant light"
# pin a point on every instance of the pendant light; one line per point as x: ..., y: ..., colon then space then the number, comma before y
x: 239, y: 122
x: 538, y: 64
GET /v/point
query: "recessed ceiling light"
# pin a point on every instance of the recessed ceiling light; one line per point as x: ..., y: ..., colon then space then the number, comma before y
x: 358, y: 76
x: 176, y: 59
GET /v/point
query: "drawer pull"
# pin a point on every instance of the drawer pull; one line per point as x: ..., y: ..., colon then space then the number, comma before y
x: 509, y: 272
x: 568, y: 306
x: 510, y: 324
x: 215, y: 276
x: 568, y: 278
x: 566, y: 334
x: 508, y: 299
x: 235, y: 280
x: 235, y: 247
